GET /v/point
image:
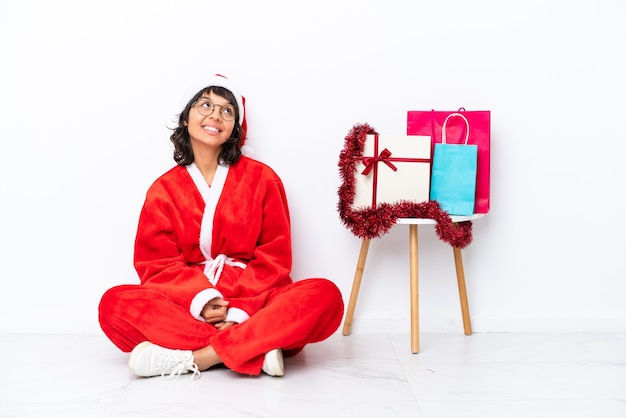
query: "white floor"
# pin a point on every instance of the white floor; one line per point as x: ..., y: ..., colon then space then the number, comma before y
x: 478, y: 376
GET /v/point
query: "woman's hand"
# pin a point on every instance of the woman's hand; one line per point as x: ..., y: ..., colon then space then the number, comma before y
x: 223, y: 325
x: 214, y: 312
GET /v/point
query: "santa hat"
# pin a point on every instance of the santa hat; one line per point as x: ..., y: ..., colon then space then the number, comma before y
x: 219, y: 80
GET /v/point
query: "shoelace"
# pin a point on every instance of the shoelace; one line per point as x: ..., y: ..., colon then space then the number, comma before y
x: 174, y: 366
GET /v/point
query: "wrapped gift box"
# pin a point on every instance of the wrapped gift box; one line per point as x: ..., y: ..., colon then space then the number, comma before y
x: 394, y: 168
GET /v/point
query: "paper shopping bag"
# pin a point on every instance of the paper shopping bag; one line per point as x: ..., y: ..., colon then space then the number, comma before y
x: 430, y: 122
x: 453, y: 182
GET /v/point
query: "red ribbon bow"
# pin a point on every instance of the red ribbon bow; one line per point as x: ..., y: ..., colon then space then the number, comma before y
x: 370, y: 162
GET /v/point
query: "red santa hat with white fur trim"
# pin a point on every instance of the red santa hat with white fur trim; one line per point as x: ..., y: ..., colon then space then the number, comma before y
x: 219, y: 80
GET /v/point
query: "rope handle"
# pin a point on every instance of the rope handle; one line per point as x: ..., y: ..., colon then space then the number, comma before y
x: 443, y: 127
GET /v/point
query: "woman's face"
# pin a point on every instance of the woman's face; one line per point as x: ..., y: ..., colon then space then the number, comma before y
x: 212, y: 129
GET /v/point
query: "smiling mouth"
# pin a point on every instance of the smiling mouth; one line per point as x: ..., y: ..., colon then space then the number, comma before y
x: 211, y: 129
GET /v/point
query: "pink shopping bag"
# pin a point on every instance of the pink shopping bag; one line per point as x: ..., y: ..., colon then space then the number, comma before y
x: 429, y: 122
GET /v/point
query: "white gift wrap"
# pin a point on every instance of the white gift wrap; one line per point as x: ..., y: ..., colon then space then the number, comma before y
x: 409, y: 154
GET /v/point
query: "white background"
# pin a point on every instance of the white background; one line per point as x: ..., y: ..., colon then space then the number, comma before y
x: 88, y: 90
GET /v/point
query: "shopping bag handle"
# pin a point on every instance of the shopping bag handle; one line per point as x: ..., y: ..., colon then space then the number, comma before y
x: 443, y: 127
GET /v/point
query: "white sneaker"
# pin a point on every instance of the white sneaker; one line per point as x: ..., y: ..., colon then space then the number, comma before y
x: 149, y: 359
x: 273, y: 363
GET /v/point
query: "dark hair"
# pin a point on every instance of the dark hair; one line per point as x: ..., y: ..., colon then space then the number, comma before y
x: 231, y: 149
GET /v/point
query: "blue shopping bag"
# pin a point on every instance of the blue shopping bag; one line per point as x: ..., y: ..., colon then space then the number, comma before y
x: 453, y: 179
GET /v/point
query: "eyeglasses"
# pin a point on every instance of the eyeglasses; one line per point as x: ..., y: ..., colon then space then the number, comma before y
x: 207, y: 107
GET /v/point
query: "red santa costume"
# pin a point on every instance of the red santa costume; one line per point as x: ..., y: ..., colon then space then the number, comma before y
x: 230, y: 240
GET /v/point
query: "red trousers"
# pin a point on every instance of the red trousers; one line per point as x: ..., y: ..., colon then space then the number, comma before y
x: 303, y: 312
